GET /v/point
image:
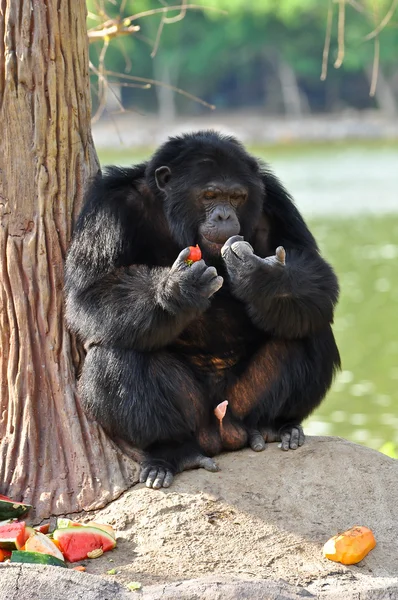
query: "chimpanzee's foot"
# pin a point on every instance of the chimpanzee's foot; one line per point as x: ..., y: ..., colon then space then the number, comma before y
x: 156, y: 476
x: 198, y: 461
x: 256, y: 440
x: 291, y: 436
x: 163, y: 461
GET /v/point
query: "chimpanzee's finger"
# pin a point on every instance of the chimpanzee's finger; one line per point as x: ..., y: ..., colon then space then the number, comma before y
x: 158, y: 483
x: 242, y: 250
x: 207, y: 463
x: 280, y: 254
x: 209, y: 274
x: 256, y: 441
x: 144, y: 474
x: 301, y: 436
x: 151, y: 477
x: 181, y: 258
x: 294, y: 438
x: 285, y: 441
x: 229, y: 242
x: 214, y: 285
x: 168, y: 480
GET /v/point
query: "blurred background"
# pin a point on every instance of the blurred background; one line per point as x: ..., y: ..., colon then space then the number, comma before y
x: 311, y: 87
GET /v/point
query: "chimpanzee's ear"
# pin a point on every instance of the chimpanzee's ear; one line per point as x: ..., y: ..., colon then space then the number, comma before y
x: 162, y: 177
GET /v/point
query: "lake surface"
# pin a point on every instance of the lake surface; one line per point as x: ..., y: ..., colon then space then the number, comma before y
x: 349, y: 195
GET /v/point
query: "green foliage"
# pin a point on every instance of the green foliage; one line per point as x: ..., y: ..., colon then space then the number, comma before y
x: 232, y: 59
x: 390, y: 449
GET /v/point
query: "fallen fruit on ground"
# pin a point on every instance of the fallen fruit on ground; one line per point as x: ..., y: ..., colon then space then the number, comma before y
x: 63, y: 523
x: 13, y: 535
x: 4, y: 554
x: 37, y: 558
x: 10, y: 509
x: 43, y: 528
x: 108, y: 528
x: 39, y: 542
x: 76, y: 543
x: 350, y: 547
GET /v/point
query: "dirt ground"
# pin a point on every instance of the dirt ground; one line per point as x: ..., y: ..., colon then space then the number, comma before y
x: 262, y: 516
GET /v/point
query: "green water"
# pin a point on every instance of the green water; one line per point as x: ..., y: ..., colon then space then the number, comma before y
x: 349, y: 195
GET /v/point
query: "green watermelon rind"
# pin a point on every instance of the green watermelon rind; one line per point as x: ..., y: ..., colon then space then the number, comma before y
x: 37, y: 558
x: 84, y: 531
x: 11, y: 509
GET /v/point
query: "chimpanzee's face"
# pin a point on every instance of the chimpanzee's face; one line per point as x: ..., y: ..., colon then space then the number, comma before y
x: 221, y: 202
x: 208, y: 200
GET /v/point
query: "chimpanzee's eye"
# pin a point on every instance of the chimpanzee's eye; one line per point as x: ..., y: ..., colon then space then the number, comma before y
x: 210, y: 195
x: 236, y: 200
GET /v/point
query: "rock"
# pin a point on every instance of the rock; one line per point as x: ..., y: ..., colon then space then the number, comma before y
x: 253, y: 530
x: 33, y: 582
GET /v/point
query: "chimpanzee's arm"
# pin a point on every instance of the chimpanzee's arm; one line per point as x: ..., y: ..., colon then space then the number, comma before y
x: 133, y: 305
x: 290, y: 295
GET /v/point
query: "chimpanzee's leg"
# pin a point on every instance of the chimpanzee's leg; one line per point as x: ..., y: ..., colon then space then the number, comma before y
x: 281, y: 385
x: 153, y: 402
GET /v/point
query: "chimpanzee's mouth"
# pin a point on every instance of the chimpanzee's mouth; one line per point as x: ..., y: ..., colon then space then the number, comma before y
x: 213, y: 246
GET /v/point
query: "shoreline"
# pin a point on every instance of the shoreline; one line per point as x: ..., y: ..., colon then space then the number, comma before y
x: 133, y: 130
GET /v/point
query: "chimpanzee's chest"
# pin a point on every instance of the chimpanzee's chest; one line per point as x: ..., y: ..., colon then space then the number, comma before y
x: 221, y: 336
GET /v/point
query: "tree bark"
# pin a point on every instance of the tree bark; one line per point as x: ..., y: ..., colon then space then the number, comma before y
x: 50, y: 454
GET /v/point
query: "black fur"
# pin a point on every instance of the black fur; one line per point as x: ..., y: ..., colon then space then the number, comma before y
x: 166, y: 344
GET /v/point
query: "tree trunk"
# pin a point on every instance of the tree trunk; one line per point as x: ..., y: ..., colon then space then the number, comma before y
x: 165, y: 95
x: 289, y: 88
x: 50, y: 454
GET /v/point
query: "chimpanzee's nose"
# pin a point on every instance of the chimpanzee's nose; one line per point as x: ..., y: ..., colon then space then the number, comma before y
x: 221, y: 213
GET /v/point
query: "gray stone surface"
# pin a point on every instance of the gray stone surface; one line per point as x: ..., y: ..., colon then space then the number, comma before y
x: 253, y: 530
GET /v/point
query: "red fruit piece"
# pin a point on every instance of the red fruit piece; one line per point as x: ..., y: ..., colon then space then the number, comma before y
x: 195, y: 254
x: 12, y: 535
x: 43, y: 528
x: 4, y: 554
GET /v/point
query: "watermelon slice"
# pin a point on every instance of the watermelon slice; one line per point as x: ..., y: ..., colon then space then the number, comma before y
x: 63, y: 523
x: 13, y: 535
x: 9, y: 508
x: 39, y: 542
x: 45, y: 528
x: 37, y: 558
x: 76, y: 542
x: 4, y: 554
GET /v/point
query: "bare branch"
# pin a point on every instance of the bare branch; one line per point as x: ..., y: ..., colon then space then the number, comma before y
x: 164, y: 9
x: 111, y: 28
x: 340, y: 34
x: 375, y: 68
x: 357, y: 6
x: 161, y: 84
x: 93, y: 16
x: 183, y: 12
x: 385, y: 21
x: 168, y: 21
x: 158, y: 36
x: 326, y: 47
x: 115, y: 30
x: 126, y: 57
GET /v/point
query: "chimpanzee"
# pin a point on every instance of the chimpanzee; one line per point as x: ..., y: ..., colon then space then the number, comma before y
x: 168, y: 342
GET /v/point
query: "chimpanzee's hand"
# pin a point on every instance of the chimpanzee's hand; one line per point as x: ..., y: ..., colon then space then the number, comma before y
x: 242, y: 263
x: 190, y: 285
